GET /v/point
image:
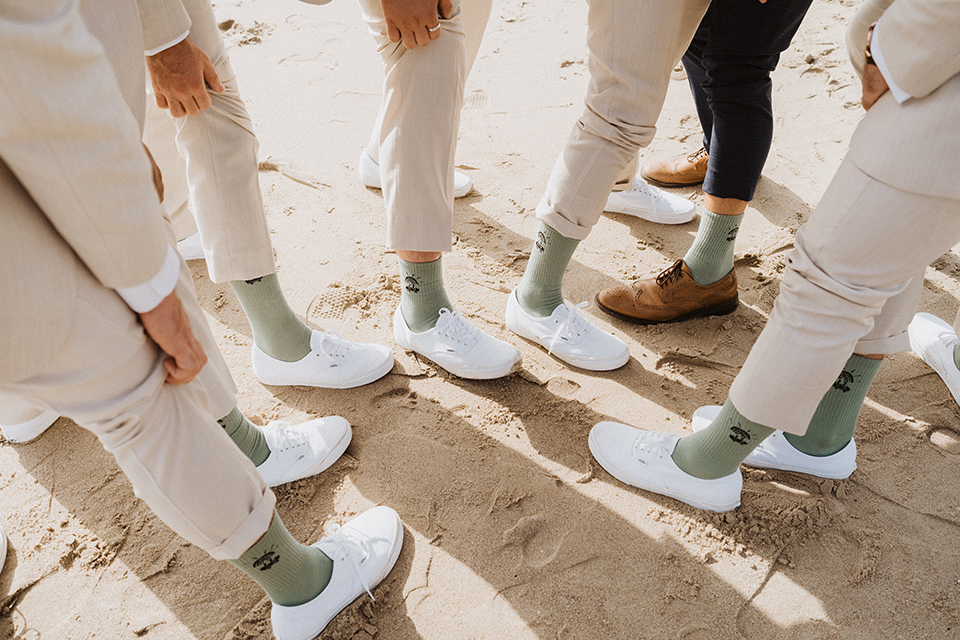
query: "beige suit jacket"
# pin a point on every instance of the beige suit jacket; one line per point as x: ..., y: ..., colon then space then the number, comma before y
x: 113, y: 234
x: 914, y: 146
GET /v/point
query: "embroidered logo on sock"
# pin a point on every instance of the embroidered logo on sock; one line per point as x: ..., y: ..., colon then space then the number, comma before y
x: 844, y: 381
x: 738, y: 435
x: 732, y: 235
x: 541, y: 241
x: 413, y: 285
x: 267, y: 560
x: 254, y: 281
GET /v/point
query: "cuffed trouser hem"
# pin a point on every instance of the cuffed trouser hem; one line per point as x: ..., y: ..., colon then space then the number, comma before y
x: 851, y: 285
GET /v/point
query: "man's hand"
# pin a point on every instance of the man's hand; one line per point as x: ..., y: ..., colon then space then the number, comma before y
x: 415, y: 22
x: 874, y: 85
x: 169, y: 327
x: 180, y: 77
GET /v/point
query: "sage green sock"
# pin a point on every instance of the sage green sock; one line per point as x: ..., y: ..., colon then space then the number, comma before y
x: 831, y: 427
x: 541, y: 288
x: 956, y: 355
x: 291, y: 573
x: 711, y: 256
x: 246, y: 436
x: 718, y: 450
x: 276, y: 329
x: 422, y: 294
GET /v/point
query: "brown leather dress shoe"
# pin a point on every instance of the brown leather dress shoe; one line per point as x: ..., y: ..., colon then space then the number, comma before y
x: 684, y: 171
x: 671, y: 296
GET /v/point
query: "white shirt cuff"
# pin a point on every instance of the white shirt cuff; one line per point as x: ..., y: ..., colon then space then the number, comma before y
x: 177, y: 40
x: 145, y: 297
x: 899, y: 94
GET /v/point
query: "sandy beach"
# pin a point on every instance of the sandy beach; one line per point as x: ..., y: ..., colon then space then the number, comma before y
x: 512, y: 531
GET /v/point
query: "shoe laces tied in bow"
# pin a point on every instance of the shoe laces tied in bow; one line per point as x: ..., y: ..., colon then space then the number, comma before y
x: 285, y: 437
x: 334, y: 346
x: 671, y: 274
x: 350, y: 550
x: 572, y: 323
x: 453, y: 325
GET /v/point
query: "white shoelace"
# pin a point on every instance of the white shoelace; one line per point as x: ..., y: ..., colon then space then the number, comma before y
x: 649, y: 442
x: 573, y: 323
x: 334, y: 346
x: 642, y: 187
x: 454, y: 326
x: 349, y: 549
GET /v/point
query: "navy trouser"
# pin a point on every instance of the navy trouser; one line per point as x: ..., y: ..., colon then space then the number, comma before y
x: 728, y: 64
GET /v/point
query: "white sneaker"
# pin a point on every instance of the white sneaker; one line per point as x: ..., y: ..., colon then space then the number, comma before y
x: 458, y: 346
x: 651, y: 203
x: 569, y: 336
x: 190, y: 248
x: 334, y: 362
x: 29, y: 430
x: 933, y: 340
x: 370, y: 176
x: 303, y: 450
x: 643, y: 459
x: 776, y: 452
x: 363, y: 552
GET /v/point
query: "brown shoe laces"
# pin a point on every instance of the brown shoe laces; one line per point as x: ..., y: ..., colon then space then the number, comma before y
x: 696, y: 155
x: 670, y: 275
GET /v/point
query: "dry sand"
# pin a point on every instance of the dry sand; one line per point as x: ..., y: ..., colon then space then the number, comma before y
x: 511, y: 530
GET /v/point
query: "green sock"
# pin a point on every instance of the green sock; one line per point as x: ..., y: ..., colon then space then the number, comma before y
x: 956, y: 355
x: 276, y: 329
x: 831, y: 427
x: 541, y: 288
x: 291, y: 573
x: 422, y: 294
x: 711, y: 256
x: 246, y: 436
x: 718, y: 450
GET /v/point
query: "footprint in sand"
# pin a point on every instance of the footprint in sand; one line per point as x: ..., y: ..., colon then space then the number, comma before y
x: 538, y: 542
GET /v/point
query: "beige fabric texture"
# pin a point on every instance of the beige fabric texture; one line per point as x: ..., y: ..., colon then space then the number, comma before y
x: 220, y: 150
x: 634, y: 45
x: 80, y: 218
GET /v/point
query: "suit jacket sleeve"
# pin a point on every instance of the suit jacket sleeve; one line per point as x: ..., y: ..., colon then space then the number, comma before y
x: 868, y: 13
x: 163, y: 21
x: 71, y: 141
x: 921, y: 43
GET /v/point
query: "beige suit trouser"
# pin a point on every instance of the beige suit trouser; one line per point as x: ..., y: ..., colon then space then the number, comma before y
x: 634, y: 46
x: 220, y: 150
x: 852, y: 285
x: 109, y: 377
x: 476, y: 14
x: 422, y: 96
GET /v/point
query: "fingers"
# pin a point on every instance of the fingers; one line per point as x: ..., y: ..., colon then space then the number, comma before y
x: 445, y: 8
x: 176, y: 109
x: 184, y: 366
x: 212, y: 79
x: 161, y: 100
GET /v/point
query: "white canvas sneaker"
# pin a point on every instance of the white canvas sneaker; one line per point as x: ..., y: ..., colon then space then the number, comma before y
x: 643, y: 459
x: 370, y: 176
x: 776, y: 452
x: 363, y: 552
x: 303, y: 450
x: 29, y: 429
x: 651, y: 203
x: 334, y: 362
x: 458, y: 346
x: 569, y: 336
x: 933, y: 340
